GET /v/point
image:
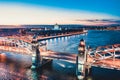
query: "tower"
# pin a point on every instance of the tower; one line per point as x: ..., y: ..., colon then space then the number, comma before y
x: 36, y: 59
x: 81, y: 60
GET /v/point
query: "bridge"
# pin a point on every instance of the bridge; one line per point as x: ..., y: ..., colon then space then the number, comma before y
x: 106, y: 56
x: 103, y: 56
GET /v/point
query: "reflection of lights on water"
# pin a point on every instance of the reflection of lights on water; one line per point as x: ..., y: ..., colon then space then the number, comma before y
x: 80, y: 77
x: 50, y: 40
x: 46, y: 41
x: 62, y: 38
x: 66, y: 38
x: 58, y: 39
x: 70, y: 66
x: 55, y: 39
x: 89, y: 78
x: 84, y: 34
x: 62, y: 65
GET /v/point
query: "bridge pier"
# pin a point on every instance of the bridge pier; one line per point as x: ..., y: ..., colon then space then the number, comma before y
x: 82, y: 67
x: 36, y: 58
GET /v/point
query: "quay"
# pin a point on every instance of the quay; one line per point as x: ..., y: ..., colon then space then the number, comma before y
x: 29, y: 38
x: 62, y: 35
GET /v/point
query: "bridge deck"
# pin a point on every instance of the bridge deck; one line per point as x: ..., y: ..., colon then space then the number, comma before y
x: 108, y: 63
x: 27, y: 38
x: 15, y: 49
x: 58, y: 55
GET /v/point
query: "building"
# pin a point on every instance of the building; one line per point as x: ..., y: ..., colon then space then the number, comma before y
x: 56, y: 27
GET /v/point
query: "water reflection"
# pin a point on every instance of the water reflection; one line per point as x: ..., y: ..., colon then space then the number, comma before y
x: 12, y: 71
x: 17, y: 67
x: 12, y: 67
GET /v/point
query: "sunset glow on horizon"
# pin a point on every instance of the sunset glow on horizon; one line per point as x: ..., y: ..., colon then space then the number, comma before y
x: 22, y: 14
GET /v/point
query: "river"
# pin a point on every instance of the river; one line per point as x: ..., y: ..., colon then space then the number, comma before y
x: 93, y: 38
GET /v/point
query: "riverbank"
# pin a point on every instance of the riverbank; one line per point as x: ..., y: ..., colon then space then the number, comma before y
x: 57, y: 36
x: 28, y: 38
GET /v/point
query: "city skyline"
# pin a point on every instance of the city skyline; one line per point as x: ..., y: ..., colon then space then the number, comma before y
x: 20, y: 12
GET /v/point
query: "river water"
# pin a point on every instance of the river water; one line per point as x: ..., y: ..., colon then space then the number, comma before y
x: 93, y: 38
x: 16, y: 67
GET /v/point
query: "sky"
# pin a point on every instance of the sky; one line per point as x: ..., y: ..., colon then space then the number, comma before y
x: 85, y: 12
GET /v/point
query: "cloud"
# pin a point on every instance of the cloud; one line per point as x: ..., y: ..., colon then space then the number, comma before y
x: 14, y: 14
x: 99, y: 21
